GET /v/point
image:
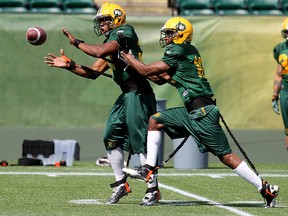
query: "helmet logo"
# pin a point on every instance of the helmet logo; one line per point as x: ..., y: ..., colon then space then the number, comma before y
x: 117, y: 12
x: 180, y: 27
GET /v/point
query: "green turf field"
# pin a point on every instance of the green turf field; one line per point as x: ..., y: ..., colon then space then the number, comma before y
x: 84, y: 188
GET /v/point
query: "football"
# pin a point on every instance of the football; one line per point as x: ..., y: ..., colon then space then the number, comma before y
x: 36, y: 36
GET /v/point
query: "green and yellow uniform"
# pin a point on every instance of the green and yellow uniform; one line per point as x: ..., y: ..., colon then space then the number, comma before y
x: 127, y: 124
x: 281, y: 56
x: 200, y: 116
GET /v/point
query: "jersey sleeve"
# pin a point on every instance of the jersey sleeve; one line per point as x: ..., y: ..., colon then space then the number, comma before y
x: 171, y: 56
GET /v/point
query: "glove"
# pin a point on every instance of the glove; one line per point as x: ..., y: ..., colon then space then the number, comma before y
x: 275, y: 106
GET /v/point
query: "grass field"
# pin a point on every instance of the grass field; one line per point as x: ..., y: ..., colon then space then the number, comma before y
x: 82, y: 190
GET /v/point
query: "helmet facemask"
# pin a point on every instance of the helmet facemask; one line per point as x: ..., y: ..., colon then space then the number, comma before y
x: 284, y: 33
x: 102, y: 20
x: 165, y: 35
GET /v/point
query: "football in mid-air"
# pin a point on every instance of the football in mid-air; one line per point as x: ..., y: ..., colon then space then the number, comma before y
x: 36, y: 36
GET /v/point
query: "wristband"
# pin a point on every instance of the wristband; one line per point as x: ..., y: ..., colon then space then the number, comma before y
x: 72, y: 64
x: 77, y: 42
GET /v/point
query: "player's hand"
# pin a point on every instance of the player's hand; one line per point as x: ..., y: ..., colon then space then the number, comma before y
x: 57, y: 61
x: 126, y: 56
x: 68, y: 35
x: 275, y: 106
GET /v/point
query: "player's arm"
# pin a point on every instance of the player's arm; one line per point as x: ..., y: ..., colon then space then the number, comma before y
x: 155, y: 68
x: 276, y: 88
x: 66, y: 63
x: 160, y: 79
x: 95, y: 50
x: 277, y: 82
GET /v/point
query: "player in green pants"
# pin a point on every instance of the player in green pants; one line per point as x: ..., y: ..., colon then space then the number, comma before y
x: 199, y: 117
x: 127, y: 125
x: 280, y: 87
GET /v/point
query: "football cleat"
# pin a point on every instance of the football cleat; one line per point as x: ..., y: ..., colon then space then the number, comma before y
x: 269, y: 193
x: 152, y: 196
x: 119, y: 190
x: 142, y: 173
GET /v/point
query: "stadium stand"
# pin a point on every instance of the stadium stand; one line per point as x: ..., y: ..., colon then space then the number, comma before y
x: 230, y: 7
x: 145, y: 8
x: 194, y: 7
x: 14, y: 6
x: 142, y: 7
x: 79, y: 6
x: 45, y: 6
x: 264, y: 7
x: 284, y: 6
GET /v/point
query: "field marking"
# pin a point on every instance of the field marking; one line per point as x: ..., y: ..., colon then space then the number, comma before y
x: 212, y: 175
x: 200, y: 198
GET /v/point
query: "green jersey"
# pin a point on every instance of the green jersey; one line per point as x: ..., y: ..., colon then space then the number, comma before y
x: 186, y: 71
x: 120, y: 74
x: 281, y: 56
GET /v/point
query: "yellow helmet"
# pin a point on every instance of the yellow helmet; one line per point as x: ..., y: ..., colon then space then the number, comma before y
x: 111, y: 13
x: 178, y: 28
x: 284, y: 30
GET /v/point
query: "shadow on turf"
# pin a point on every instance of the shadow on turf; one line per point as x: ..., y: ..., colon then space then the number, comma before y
x: 190, y: 203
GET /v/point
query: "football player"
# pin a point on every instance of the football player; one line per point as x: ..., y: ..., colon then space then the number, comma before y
x: 127, y: 125
x: 199, y: 116
x: 280, y: 86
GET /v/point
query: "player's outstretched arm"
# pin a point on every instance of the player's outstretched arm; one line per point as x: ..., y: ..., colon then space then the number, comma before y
x: 94, y: 50
x: 84, y: 71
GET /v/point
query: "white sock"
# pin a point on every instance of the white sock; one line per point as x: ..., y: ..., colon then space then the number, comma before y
x: 153, y: 143
x: 116, y: 159
x: 247, y: 174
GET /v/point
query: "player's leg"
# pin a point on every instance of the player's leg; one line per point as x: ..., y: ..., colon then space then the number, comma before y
x: 212, y: 138
x: 269, y: 192
x: 114, y: 138
x: 139, y: 107
x: 171, y: 121
x: 284, y: 113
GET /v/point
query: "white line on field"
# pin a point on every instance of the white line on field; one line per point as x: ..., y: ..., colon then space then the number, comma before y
x: 212, y: 175
x: 200, y: 198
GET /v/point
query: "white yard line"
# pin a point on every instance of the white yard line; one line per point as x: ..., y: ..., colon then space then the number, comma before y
x: 200, y: 198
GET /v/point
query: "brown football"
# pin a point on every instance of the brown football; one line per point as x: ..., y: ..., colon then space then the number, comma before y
x: 36, y: 36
